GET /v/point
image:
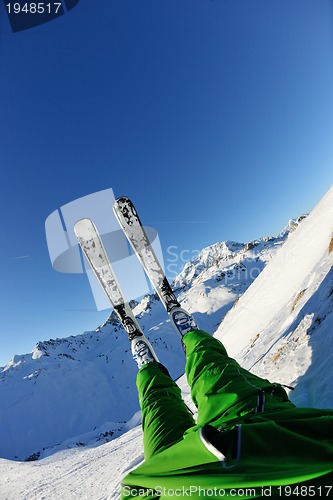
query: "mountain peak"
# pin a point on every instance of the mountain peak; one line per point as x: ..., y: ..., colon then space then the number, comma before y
x: 292, y: 225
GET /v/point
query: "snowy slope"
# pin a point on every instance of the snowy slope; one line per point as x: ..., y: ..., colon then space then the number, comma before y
x: 92, y: 473
x: 280, y: 328
x: 220, y: 274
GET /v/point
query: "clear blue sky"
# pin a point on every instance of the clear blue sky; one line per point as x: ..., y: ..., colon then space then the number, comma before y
x: 215, y: 117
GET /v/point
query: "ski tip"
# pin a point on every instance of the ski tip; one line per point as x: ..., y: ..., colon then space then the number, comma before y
x: 124, y: 210
x: 84, y: 220
x: 122, y: 205
x: 82, y: 223
x: 122, y: 199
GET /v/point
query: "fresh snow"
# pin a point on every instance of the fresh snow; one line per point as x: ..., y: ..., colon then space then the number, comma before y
x: 79, y: 473
x: 283, y: 323
x: 70, y: 406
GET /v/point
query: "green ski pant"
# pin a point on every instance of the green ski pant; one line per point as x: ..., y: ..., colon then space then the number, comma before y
x: 221, y: 390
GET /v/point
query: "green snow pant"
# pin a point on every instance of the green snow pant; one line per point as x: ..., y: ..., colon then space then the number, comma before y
x: 221, y: 390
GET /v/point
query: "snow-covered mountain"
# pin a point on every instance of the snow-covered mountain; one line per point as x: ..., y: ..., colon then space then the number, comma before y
x: 270, y: 302
x: 73, y: 386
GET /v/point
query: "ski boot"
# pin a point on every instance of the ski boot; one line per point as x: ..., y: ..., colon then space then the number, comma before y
x: 182, y: 321
x: 142, y: 351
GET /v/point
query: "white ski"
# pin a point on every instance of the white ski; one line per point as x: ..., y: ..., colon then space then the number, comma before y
x: 130, y: 222
x: 136, y: 235
x: 93, y: 248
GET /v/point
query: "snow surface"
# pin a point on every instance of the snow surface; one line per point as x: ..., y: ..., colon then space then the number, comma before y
x: 286, y: 315
x: 70, y: 406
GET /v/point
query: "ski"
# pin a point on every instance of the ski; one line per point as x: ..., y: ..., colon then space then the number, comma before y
x: 129, y: 221
x: 93, y: 248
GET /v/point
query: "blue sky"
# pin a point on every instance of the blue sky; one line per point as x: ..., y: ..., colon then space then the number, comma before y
x: 215, y: 117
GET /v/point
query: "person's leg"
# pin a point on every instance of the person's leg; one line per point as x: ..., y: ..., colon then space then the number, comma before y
x: 220, y: 388
x: 165, y: 416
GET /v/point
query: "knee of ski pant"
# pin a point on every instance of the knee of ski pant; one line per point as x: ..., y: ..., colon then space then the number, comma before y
x: 153, y: 378
x: 203, y: 353
x: 198, y: 340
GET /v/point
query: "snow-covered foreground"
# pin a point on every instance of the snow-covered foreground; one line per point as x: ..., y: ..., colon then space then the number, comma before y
x: 80, y: 473
x: 280, y: 328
